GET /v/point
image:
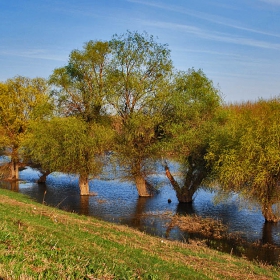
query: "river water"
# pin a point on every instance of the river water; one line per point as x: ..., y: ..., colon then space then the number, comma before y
x: 118, y: 202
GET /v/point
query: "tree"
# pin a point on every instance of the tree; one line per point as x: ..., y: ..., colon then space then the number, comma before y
x: 69, y: 145
x: 21, y: 101
x: 192, y: 113
x: 80, y: 92
x: 138, y: 79
x: 246, y: 154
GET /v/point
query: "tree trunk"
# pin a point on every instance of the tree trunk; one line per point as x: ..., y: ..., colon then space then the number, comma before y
x: 267, y: 236
x: 84, y: 185
x: 268, y: 213
x: 186, y: 194
x: 14, y: 170
x: 142, y: 186
x: 191, y: 184
x: 172, y: 180
x: 43, y: 177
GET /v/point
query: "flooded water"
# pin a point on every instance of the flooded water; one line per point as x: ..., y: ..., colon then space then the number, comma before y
x: 117, y: 201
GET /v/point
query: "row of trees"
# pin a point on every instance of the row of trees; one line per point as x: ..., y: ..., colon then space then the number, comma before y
x: 125, y: 97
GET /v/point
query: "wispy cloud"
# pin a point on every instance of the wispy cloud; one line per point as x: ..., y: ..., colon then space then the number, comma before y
x: 216, y: 36
x: 208, y: 17
x: 273, y: 2
x: 35, y: 54
x: 232, y: 56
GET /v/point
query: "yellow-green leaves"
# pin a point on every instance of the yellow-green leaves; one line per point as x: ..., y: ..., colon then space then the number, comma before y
x: 80, y: 85
x: 247, y: 158
x: 68, y: 144
x: 21, y: 100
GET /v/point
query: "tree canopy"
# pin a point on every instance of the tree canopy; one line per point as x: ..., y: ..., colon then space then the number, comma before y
x: 69, y: 145
x: 22, y: 100
x: 79, y: 86
x: 246, y: 153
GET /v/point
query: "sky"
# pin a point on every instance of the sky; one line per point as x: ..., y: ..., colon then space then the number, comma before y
x: 235, y: 42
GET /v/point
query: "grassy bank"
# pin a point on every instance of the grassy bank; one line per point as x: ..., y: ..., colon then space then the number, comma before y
x: 39, y: 242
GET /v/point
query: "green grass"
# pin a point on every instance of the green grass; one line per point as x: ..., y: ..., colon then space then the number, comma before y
x: 39, y: 242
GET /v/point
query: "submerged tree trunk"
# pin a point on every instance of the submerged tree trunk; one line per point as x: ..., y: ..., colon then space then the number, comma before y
x: 14, y: 170
x: 142, y: 186
x: 267, y: 236
x: 192, y: 182
x: 84, y: 185
x: 14, y: 165
x: 268, y: 213
x: 43, y: 177
x: 184, y: 194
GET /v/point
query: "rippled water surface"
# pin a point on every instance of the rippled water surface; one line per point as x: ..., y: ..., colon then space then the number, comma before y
x: 117, y: 201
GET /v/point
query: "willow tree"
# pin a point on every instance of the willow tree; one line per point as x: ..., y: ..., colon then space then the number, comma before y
x: 246, y: 154
x: 138, y: 78
x: 68, y: 144
x: 21, y: 100
x: 192, y: 113
x: 80, y: 91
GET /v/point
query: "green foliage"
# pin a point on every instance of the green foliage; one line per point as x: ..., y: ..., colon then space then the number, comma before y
x: 138, y: 73
x: 246, y: 152
x: 136, y: 145
x: 21, y: 100
x: 80, y: 88
x: 192, y: 110
x: 68, y: 145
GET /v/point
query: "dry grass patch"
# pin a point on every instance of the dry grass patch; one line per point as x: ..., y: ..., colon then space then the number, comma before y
x: 194, y: 224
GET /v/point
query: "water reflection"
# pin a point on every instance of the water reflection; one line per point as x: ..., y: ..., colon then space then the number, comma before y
x: 84, y: 205
x: 118, y: 202
x: 185, y: 208
x: 15, y: 186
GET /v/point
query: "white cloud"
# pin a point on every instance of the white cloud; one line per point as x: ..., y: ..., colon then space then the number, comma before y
x: 208, y: 17
x: 216, y: 36
x: 273, y: 2
x: 35, y: 54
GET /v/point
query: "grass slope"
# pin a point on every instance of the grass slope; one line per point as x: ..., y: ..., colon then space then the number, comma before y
x: 39, y: 242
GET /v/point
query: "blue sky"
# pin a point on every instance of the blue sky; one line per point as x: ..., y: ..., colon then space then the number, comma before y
x: 235, y: 42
